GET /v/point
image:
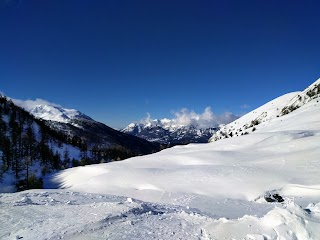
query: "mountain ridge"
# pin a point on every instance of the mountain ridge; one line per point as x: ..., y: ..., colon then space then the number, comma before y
x: 170, y: 135
x: 75, y: 123
x: 275, y: 108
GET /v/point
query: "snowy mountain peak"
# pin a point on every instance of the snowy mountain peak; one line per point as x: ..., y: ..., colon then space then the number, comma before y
x: 57, y: 114
x: 50, y: 111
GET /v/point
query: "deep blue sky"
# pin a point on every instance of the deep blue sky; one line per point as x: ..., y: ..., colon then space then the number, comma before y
x: 116, y: 60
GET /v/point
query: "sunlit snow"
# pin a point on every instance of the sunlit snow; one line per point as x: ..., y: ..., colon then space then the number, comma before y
x: 198, y: 191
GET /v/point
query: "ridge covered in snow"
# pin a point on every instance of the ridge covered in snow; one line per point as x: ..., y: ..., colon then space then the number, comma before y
x: 311, y: 92
x: 50, y: 111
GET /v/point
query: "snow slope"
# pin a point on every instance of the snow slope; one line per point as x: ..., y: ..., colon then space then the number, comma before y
x: 217, y: 190
x: 246, y: 123
x: 273, y: 109
x: 311, y: 92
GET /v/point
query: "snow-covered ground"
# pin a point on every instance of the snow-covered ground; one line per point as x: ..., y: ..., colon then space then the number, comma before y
x: 198, y: 191
x: 60, y: 214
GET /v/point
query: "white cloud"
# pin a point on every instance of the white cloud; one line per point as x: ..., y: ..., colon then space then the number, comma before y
x: 244, y: 106
x: 147, y: 120
x: 186, y: 117
x: 30, y: 104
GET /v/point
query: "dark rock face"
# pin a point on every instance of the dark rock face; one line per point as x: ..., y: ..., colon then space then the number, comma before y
x: 273, y: 198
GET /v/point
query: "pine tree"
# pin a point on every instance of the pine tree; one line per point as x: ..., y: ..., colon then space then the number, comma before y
x: 29, y: 150
x: 56, y: 161
x: 66, y: 158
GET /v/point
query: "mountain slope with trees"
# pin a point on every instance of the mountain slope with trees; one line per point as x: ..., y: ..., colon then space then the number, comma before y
x: 31, y: 148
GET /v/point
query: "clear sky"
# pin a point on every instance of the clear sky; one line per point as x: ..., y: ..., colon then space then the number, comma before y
x: 117, y: 60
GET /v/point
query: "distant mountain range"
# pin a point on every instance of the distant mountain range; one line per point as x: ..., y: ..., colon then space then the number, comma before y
x: 165, y: 131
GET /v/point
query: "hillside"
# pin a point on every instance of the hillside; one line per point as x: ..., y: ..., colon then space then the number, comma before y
x: 29, y: 149
x: 71, y: 122
x: 280, y: 106
x: 33, y: 146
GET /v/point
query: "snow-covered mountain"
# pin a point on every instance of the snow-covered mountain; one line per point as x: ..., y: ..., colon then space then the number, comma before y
x: 45, y: 110
x: 50, y: 138
x: 74, y: 123
x: 164, y: 132
x: 58, y: 114
x: 258, y: 118
x: 262, y: 185
x: 29, y: 149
